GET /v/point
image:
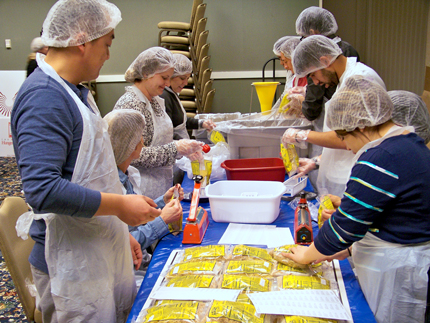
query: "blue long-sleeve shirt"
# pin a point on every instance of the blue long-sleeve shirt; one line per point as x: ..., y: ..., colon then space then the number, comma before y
x: 46, y: 131
x: 152, y: 231
x: 388, y: 194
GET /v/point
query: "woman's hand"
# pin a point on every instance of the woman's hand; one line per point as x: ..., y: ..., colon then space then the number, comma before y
x: 341, y: 255
x: 303, y: 255
x: 208, y: 125
x: 295, y: 136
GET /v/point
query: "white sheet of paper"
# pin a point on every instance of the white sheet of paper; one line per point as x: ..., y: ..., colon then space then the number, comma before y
x: 314, y: 303
x: 256, y: 234
x: 196, y: 294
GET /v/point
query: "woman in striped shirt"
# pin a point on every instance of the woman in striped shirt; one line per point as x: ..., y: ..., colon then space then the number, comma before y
x: 385, y: 210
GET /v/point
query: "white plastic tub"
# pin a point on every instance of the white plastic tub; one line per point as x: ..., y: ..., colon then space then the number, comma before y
x: 245, y: 201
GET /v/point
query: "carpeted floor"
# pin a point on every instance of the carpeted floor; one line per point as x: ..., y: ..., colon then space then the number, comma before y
x: 10, y: 306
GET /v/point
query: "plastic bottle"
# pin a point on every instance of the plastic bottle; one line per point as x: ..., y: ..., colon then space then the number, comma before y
x: 203, y: 168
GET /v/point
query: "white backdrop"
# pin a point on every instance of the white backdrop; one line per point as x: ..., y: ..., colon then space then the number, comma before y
x: 10, y: 82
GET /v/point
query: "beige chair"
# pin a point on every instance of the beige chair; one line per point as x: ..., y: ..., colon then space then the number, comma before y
x: 207, y: 106
x: 181, y: 41
x: 200, y: 100
x: 177, y: 27
x: 16, y: 252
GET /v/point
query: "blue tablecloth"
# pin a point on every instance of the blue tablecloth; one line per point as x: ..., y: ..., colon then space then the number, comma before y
x: 359, y: 308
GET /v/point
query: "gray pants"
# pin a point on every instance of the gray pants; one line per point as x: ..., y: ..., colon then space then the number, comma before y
x: 46, y: 304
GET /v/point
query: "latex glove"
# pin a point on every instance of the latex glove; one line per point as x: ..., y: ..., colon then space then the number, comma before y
x: 306, y: 165
x: 187, y: 147
x: 301, y: 90
x: 171, y: 212
x: 136, y: 252
x: 295, y: 136
x: 196, y: 156
x: 208, y: 125
x: 170, y: 192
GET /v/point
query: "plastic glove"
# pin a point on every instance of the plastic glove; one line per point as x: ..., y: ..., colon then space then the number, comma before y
x: 208, y: 125
x: 295, y: 136
x: 305, y: 166
x: 196, y: 156
x: 301, y: 90
x: 187, y: 147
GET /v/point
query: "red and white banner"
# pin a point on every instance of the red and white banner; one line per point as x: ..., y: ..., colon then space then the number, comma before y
x: 10, y: 82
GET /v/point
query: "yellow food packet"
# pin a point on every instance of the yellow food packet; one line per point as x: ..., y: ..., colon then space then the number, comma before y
x: 216, y: 137
x: 325, y: 204
x: 305, y: 319
x: 249, y: 267
x: 247, y: 282
x: 290, y: 159
x: 235, y: 311
x: 283, y: 106
x: 205, y: 252
x: 241, y: 250
x: 304, y: 282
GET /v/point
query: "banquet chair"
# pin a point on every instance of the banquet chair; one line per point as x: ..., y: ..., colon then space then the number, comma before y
x: 178, y: 28
x: 16, y: 252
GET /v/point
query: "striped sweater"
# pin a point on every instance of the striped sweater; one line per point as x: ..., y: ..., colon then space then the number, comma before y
x: 388, y: 194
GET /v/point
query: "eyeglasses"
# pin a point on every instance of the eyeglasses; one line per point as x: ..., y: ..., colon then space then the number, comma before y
x: 141, y: 141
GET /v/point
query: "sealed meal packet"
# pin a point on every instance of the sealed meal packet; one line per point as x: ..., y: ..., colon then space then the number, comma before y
x: 234, y: 312
x: 211, y: 252
x: 208, y: 267
x: 176, y: 312
x: 193, y: 281
x: 303, y: 319
x: 302, y: 282
x: 251, y: 267
x: 243, y: 252
x: 254, y: 283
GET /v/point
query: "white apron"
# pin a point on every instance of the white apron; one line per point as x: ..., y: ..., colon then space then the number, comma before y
x: 89, y: 259
x: 393, y: 276
x: 181, y: 129
x: 157, y: 180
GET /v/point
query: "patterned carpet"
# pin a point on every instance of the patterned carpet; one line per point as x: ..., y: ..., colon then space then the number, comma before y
x: 10, y: 306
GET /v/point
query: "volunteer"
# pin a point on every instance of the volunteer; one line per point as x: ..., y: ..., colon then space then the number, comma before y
x: 385, y: 209
x: 320, y: 21
x: 150, y: 73
x: 321, y: 59
x: 277, y: 52
x: 293, y: 100
x: 81, y: 261
x: 125, y: 131
x: 182, y: 71
x: 37, y: 46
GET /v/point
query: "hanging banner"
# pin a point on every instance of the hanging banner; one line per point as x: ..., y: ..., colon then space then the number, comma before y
x: 10, y: 82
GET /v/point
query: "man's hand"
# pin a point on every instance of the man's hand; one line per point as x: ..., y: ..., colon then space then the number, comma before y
x: 136, y: 252
x: 171, y: 212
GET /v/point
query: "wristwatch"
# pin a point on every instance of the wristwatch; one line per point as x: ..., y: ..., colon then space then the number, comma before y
x: 316, y: 161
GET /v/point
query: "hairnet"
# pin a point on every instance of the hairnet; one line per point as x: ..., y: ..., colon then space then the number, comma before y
x: 277, y: 45
x: 75, y: 22
x: 410, y: 110
x: 36, y: 44
x: 320, y: 20
x: 358, y: 103
x: 125, y: 131
x: 152, y: 61
x: 183, y: 65
x: 307, y: 55
x: 289, y: 45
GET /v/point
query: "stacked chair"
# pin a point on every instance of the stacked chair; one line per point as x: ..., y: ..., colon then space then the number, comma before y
x: 190, y: 39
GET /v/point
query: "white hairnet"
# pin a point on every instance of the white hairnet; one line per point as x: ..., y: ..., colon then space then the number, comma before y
x: 36, y: 44
x: 410, y: 110
x: 154, y: 60
x: 125, y: 131
x: 278, y: 44
x: 75, y: 22
x: 307, y: 55
x: 183, y: 65
x: 289, y: 45
x: 320, y: 20
x: 358, y: 103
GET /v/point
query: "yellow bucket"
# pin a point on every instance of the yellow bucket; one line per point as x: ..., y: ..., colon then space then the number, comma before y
x: 266, y: 93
